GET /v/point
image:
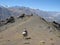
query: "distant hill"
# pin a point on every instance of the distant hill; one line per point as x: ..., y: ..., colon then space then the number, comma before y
x: 4, y: 13
x: 18, y: 10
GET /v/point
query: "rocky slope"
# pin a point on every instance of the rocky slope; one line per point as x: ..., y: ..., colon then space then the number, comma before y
x: 40, y: 31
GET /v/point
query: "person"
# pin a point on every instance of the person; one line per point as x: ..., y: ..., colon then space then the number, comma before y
x: 25, y: 33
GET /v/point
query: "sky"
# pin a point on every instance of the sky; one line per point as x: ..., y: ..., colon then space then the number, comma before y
x: 46, y: 5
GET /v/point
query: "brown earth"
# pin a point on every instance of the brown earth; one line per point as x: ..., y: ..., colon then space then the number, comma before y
x: 38, y: 30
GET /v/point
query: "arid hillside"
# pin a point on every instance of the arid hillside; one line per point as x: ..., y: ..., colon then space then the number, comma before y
x: 39, y: 31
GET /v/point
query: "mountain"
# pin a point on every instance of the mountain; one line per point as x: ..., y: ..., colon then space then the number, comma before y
x: 18, y: 10
x: 39, y: 31
x: 4, y: 13
x: 48, y: 15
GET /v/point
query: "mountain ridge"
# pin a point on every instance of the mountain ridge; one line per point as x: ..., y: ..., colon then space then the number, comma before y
x: 39, y: 31
x: 18, y: 10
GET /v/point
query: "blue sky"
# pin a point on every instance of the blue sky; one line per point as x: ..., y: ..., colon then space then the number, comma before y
x: 46, y: 5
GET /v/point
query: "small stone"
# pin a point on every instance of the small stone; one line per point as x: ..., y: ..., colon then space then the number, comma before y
x: 51, y: 38
x: 8, y: 40
x: 26, y: 43
x: 52, y: 43
x: 42, y: 42
x: 59, y: 36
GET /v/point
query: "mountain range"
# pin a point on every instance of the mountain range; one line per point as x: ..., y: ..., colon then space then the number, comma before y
x: 39, y: 31
x: 5, y: 12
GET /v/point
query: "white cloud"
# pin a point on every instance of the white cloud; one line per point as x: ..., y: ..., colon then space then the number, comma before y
x: 50, y: 17
x: 56, y: 15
